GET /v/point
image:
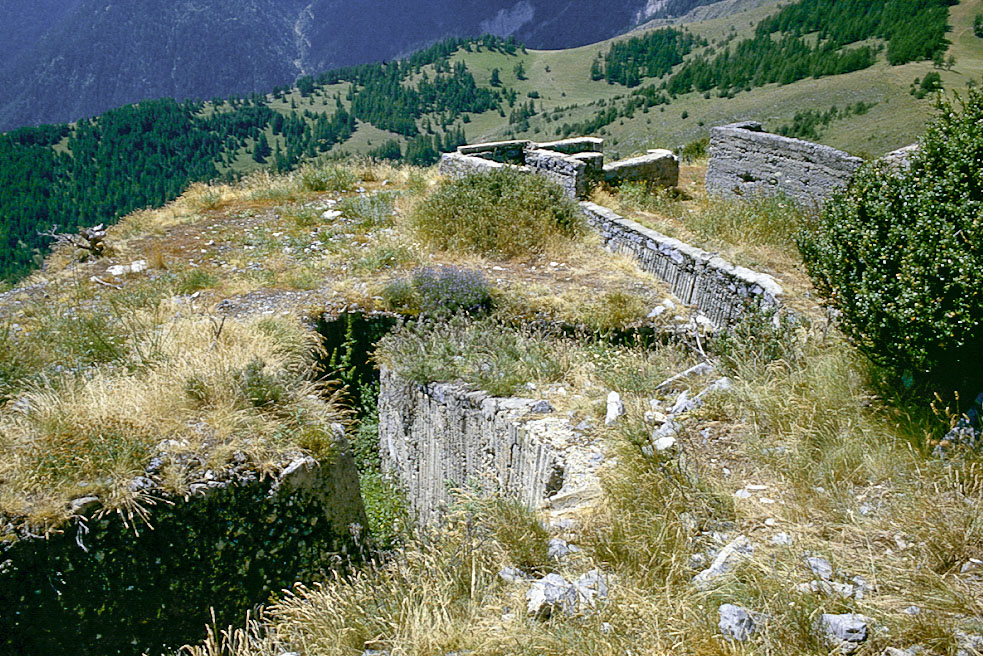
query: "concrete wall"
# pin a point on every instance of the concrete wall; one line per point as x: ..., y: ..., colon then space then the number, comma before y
x: 745, y: 161
x: 658, y: 166
x: 567, y: 171
x: 104, y: 587
x: 441, y: 435
x: 456, y: 165
x: 572, y: 163
x: 507, y: 152
x: 574, y: 145
x: 720, y: 290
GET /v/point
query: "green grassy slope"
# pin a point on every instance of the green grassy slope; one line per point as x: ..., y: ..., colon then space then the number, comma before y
x: 562, y: 79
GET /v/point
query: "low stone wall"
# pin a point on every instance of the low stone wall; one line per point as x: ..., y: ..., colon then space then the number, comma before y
x: 572, y: 163
x: 720, y: 290
x: 101, y: 587
x: 438, y: 436
x: 746, y: 161
x: 507, y: 152
x: 567, y: 171
x: 574, y: 145
x: 456, y: 165
x: 658, y: 166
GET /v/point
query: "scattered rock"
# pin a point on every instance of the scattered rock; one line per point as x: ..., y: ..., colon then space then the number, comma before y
x: 542, y: 407
x: 512, y: 575
x: 656, y: 311
x: 729, y: 556
x: 736, y: 623
x: 968, y: 644
x: 616, y: 408
x: 559, y: 548
x: 654, y: 417
x: 664, y: 443
x: 591, y: 587
x: 781, y: 539
x: 550, y: 594
x: 912, y: 610
x: 820, y: 567
x: 846, y: 631
x: 683, y: 404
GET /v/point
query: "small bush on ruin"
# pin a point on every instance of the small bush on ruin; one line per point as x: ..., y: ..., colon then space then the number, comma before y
x: 449, y: 289
x: 504, y: 213
x: 900, y: 255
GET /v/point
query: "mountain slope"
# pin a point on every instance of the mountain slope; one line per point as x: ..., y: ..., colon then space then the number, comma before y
x: 75, y: 59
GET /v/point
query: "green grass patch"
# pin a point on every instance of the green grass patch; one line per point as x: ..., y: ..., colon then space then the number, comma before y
x: 505, y: 213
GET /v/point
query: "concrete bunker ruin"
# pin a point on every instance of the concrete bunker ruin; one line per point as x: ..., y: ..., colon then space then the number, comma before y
x: 574, y: 163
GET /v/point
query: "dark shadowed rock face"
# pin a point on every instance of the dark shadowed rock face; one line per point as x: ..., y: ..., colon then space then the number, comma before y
x: 75, y: 58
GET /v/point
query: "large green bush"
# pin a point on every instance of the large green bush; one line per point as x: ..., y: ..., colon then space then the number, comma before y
x: 900, y: 255
x: 503, y: 213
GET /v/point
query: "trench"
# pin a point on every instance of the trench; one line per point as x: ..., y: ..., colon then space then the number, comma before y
x: 103, y: 586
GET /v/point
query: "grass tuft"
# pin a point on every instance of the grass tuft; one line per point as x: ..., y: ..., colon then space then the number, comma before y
x: 505, y: 213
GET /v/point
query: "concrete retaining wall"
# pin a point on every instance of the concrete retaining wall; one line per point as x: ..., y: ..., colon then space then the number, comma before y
x: 456, y: 165
x: 719, y: 289
x: 745, y: 161
x: 438, y: 436
x: 574, y: 145
x: 508, y: 152
x: 572, y: 163
x: 660, y: 167
x: 567, y: 171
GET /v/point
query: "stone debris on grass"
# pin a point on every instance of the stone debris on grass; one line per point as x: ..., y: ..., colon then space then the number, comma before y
x: 552, y: 594
x: 512, y: 575
x: 559, y: 548
x: 735, y: 551
x: 820, y: 567
x: 615, y: 408
x: 846, y: 631
x: 736, y: 623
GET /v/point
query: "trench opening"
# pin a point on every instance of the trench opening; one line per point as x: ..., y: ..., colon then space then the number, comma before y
x: 349, y: 341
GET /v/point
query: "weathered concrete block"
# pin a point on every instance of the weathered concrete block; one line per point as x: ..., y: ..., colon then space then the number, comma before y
x: 720, y: 290
x: 507, y: 152
x: 455, y: 165
x: 442, y: 434
x: 574, y: 145
x: 566, y: 170
x: 745, y: 161
x: 658, y: 166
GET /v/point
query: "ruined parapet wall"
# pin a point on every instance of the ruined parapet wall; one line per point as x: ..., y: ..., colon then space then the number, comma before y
x: 572, y: 163
x: 720, y: 290
x: 456, y: 165
x: 659, y: 166
x: 745, y: 161
x: 900, y: 159
x: 567, y: 171
x: 440, y: 436
x: 106, y: 586
x: 574, y: 145
x: 506, y: 152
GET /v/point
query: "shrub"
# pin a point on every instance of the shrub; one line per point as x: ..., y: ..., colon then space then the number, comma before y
x: 327, y: 178
x: 900, y: 255
x: 504, y: 213
x: 448, y: 290
x: 369, y: 211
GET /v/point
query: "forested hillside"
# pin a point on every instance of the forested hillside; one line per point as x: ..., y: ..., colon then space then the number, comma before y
x: 72, y: 59
x: 636, y: 90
